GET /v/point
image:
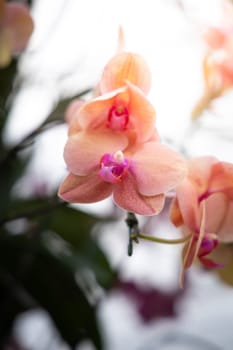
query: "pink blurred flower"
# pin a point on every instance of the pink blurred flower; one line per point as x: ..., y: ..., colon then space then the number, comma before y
x: 217, y: 66
x: 16, y: 27
x: 137, y: 177
x: 204, y: 207
x: 220, y: 41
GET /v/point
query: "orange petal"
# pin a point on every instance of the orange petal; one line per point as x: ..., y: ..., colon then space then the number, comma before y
x: 216, y: 208
x: 142, y: 113
x: 191, y: 249
x: 126, y: 196
x: 214, y: 37
x: 18, y: 21
x: 84, y: 150
x: 157, y: 168
x: 200, y: 169
x: 221, y: 177
x: 121, y: 40
x: 93, y: 114
x: 73, y: 109
x: 84, y: 189
x: 126, y: 66
x: 187, y: 197
x: 225, y: 233
x: 202, y: 227
x: 175, y: 213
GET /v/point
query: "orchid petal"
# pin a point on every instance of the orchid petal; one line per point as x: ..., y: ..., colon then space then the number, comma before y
x: 84, y: 189
x: 126, y: 66
x: 187, y: 258
x: 142, y: 113
x: 126, y: 196
x: 214, y: 37
x: 200, y: 171
x: 84, y: 150
x: 73, y: 109
x: 157, y: 168
x: 187, y: 197
x: 93, y: 114
x: 210, y: 263
x: 202, y: 227
x: 221, y: 178
x: 191, y: 249
x: 121, y: 40
x: 225, y: 233
x: 216, y: 207
x: 175, y: 213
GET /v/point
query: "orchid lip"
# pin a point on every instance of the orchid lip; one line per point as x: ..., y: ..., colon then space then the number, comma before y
x: 113, y: 167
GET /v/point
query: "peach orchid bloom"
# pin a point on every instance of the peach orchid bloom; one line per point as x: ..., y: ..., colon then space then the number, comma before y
x: 137, y: 177
x: 220, y: 42
x: 124, y: 111
x: 122, y: 106
x: 16, y: 27
x: 217, y: 67
x: 204, y: 207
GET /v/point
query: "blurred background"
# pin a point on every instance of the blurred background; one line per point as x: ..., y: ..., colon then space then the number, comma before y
x: 66, y: 281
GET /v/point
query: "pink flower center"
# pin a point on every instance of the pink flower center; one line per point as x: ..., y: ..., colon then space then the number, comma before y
x: 118, y: 118
x: 113, y: 167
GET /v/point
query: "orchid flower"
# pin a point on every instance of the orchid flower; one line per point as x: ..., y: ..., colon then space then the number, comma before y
x: 204, y: 207
x: 217, y: 66
x: 16, y: 27
x: 122, y: 106
x: 220, y: 42
x: 137, y: 177
x: 125, y: 111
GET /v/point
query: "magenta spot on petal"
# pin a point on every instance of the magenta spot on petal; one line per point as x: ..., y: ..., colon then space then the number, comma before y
x: 203, y: 196
x: 112, y: 169
x: 118, y: 118
x: 207, y: 245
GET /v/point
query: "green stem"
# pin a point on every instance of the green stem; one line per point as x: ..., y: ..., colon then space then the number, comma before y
x: 163, y: 240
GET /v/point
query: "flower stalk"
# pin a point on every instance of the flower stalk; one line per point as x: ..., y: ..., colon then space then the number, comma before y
x: 134, y: 235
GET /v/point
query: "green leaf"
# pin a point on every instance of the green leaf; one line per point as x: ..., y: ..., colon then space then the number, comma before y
x: 6, y: 84
x: 59, y: 111
x: 75, y: 227
x: 12, y: 303
x: 52, y: 285
x: 72, y: 226
x: 11, y: 172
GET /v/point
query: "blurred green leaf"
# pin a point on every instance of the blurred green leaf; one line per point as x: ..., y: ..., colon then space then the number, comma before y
x: 59, y: 111
x: 30, y: 208
x: 10, y: 173
x: 75, y: 228
x: 6, y: 84
x: 52, y: 284
x: 12, y: 303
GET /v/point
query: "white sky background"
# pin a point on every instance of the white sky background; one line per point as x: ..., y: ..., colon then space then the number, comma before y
x: 72, y: 42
